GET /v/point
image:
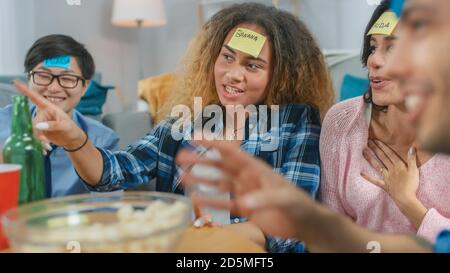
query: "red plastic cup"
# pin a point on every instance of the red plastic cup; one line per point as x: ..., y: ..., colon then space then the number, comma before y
x: 9, y: 193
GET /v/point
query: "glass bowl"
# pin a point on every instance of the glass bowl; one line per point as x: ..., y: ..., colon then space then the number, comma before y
x: 103, y: 222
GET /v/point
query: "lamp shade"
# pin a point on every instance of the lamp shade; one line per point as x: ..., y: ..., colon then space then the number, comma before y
x: 137, y: 13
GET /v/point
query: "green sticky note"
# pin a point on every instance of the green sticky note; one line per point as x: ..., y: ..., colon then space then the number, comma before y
x: 247, y: 41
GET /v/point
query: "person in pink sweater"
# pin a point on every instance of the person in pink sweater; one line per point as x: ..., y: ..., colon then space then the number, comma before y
x: 372, y: 170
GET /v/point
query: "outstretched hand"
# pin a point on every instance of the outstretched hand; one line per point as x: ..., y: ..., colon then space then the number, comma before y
x: 51, y: 124
x: 274, y: 204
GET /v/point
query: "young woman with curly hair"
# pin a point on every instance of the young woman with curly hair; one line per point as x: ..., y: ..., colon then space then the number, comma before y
x: 287, y: 70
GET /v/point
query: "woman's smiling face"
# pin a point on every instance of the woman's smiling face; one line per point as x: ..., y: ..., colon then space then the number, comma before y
x: 240, y: 78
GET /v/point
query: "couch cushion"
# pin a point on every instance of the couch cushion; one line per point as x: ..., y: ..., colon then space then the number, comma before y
x: 155, y: 90
x: 353, y: 86
x: 7, y: 91
x: 92, y: 102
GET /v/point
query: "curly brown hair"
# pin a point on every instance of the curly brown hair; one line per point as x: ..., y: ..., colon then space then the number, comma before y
x: 300, y: 74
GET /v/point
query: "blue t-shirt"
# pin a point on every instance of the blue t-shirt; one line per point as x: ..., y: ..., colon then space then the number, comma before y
x: 63, y: 179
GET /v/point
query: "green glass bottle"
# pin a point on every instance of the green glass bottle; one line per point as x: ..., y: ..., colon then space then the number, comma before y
x: 23, y: 148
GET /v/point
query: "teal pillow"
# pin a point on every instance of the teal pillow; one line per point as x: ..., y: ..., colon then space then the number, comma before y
x: 353, y: 87
x: 92, y: 102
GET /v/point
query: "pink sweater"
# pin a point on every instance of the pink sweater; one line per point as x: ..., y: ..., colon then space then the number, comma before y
x: 344, y: 135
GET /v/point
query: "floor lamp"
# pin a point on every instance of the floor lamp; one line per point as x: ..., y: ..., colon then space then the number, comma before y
x: 138, y: 14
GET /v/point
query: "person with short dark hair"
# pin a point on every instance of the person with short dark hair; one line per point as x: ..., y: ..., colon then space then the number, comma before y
x: 60, y: 69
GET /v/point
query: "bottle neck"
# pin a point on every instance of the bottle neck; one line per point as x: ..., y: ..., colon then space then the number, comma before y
x: 21, y: 119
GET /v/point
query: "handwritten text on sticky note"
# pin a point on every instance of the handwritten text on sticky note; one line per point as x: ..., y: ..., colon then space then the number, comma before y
x: 60, y: 61
x: 385, y: 24
x: 247, y: 41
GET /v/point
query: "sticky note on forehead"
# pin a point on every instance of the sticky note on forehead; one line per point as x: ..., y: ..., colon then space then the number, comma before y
x: 59, y: 61
x: 385, y: 24
x: 247, y: 41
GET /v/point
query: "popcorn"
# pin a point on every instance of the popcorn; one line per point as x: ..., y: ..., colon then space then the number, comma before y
x: 130, y: 230
x: 125, y: 213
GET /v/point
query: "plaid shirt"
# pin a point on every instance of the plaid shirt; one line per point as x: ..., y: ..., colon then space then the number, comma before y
x: 442, y: 244
x: 152, y: 159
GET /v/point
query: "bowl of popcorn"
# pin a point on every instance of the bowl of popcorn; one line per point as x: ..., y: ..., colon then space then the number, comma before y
x: 104, y: 222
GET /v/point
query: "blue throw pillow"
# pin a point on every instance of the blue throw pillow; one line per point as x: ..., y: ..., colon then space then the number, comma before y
x: 92, y: 102
x: 353, y: 87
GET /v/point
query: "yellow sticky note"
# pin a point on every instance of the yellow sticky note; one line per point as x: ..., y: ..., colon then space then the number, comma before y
x: 385, y: 24
x: 247, y: 41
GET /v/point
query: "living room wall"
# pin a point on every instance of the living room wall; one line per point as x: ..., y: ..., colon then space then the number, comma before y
x: 337, y: 24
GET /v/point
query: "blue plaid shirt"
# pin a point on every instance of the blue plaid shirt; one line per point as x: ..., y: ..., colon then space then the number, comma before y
x: 151, y: 159
x: 442, y: 244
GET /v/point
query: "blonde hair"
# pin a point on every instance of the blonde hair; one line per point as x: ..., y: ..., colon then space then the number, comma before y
x: 299, y: 75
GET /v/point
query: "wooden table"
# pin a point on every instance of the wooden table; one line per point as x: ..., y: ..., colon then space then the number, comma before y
x: 212, y: 240
x: 215, y: 240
